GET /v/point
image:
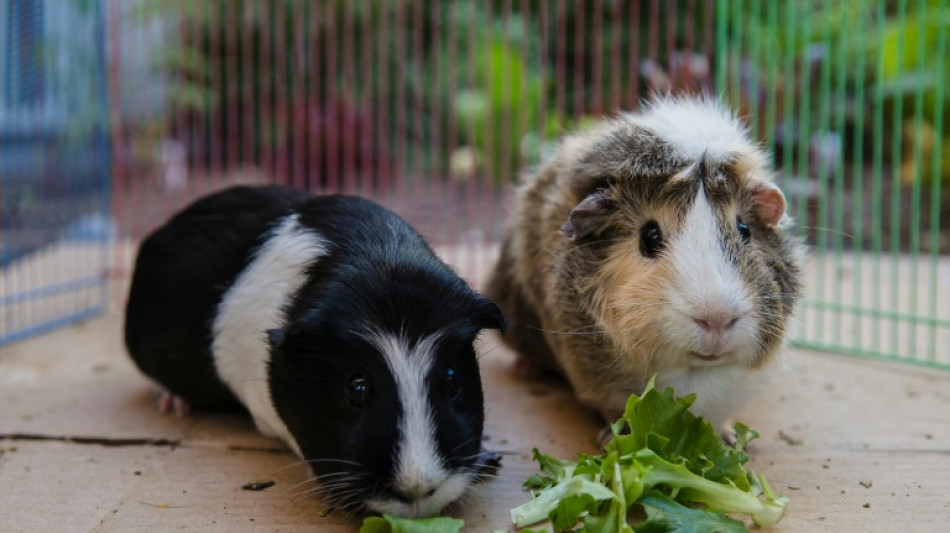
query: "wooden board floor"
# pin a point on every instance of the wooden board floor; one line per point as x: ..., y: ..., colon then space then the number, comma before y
x: 103, y: 459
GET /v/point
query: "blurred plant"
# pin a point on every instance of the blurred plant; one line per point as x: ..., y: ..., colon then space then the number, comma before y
x: 499, y: 108
x: 326, y: 142
x: 898, y: 45
x: 909, y: 53
x: 521, y: 76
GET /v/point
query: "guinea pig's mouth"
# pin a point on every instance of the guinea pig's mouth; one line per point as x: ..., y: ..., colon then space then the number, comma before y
x: 421, y: 505
x: 709, y: 358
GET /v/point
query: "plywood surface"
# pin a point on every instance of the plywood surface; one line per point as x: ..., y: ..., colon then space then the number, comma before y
x: 829, y: 424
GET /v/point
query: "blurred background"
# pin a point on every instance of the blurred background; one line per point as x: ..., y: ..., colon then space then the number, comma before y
x: 116, y: 113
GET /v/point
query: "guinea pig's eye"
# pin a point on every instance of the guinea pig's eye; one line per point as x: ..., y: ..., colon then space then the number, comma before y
x: 452, y: 388
x: 357, y: 390
x: 651, y: 240
x: 744, y: 231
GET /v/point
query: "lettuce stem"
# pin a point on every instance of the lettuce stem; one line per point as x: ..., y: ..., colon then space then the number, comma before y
x: 717, y: 497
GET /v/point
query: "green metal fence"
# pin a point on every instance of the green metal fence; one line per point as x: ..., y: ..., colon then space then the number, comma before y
x: 851, y: 97
x: 432, y: 107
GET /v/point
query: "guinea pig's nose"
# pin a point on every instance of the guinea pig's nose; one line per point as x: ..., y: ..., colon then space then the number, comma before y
x: 412, y: 494
x: 716, y: 323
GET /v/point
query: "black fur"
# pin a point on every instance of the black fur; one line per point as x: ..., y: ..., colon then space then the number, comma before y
x: 378, y: 276
x: 181, y: 274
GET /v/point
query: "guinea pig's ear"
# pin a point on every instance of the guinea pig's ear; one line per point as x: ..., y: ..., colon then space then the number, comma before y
x: 769, y: 202
x: 489, y: 316
x: 588, y: 215
x: 287, y: 341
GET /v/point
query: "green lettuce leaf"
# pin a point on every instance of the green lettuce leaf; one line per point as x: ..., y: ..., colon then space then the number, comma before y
x: 666, y: 515
x: 394, y: 524
x: 744, y: 435
x: 662, y: 459
x: 660, y: 422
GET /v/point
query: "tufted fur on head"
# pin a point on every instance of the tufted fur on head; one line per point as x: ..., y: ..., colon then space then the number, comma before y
x: 653, y: 243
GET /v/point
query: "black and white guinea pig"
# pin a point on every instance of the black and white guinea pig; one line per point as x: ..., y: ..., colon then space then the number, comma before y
x: 334, y: 324
x: 655, y: 243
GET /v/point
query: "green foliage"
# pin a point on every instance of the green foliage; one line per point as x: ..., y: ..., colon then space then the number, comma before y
x: 517, y: 76
x: 891, y: 52
x: 663, y: 424
x: 662, y: 459
x: 666, y: 515
x: 500, y: 108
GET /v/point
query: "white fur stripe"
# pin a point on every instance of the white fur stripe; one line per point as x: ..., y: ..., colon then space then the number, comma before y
x: 704, y: 272
x: 254, y: 304
x: 694, y: 126
x: 418, y: 466
x: 706, y: 284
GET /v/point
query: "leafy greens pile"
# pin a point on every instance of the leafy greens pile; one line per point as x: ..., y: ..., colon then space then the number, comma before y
x: 663, y: 462
x: 665, y: 470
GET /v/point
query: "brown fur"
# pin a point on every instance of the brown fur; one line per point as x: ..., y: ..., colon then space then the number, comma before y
x: 586, y: 305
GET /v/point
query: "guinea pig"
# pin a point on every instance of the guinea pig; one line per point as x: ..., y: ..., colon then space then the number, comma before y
x: 653, y: 244
x: 332, y: 322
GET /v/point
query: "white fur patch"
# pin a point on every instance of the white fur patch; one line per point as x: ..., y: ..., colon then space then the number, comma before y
x: 419, y: 465
x: 707, y: 285
x: 694, y: 126
x: 255, y: 304
x: 719, y: 391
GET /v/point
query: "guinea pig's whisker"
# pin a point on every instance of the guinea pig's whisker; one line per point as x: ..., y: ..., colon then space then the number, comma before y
x: 463, y: 444
x: 335, y: 474
x: 344, y: 499
x: 303, y: 495
x: 474, y: 455
x: 485, y: 351
x: 294, y: 464
x: 351, y: 506
x: 331, y: 492
x: 326, y: 482
x: 577, y: 331
x: 320, y: 490
x: 329, y: 481
x: 331, y: 460
x: 480, y: 472
x: 781, y: 297
x: 322, y: 479
x: 467, y: 457
x: 476, y: 477
x: 829, y: 230
x: 293, y: 489
x: 340, y: 478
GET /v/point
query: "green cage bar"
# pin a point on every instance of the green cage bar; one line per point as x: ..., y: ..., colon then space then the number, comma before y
x: 850, y: 97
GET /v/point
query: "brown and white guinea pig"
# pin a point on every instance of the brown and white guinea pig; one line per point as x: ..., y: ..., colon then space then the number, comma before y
x: 333, y: 323
x: 653, y: 244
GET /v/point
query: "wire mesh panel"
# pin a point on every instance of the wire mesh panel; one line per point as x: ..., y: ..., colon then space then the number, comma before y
x: 851, y: 96
x: 434, y: 107
x: 55, y: 223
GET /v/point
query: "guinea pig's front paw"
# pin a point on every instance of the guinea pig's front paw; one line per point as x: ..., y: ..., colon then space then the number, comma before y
x: 604, y: 435
x: 728, y: 436
x: 169, y: 402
